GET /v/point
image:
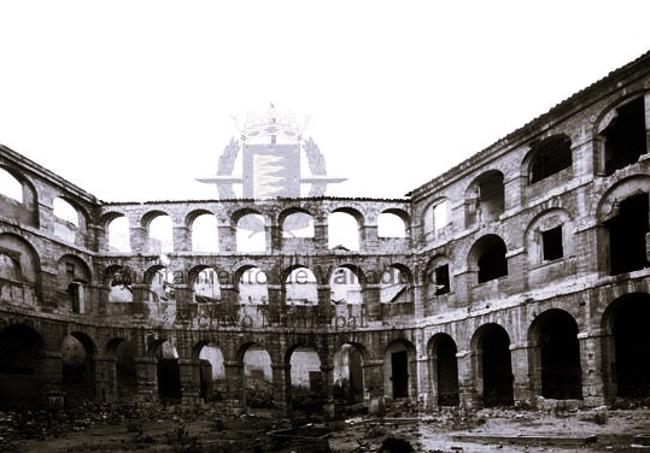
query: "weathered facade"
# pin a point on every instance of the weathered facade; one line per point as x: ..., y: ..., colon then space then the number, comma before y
x: 524, y: 273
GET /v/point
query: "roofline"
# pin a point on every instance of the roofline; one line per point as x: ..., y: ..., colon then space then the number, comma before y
x: 564, y: 107
x: 254, y: 200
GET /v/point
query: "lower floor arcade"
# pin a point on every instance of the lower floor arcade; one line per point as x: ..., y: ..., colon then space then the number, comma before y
x: 493, y: 360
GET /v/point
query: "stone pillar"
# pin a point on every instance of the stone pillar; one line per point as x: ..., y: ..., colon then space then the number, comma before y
x: 368, y: 237
x: 467, y: 386
x: 327, y: 373
x: 321, y: 233
x: 227, y: 238
x: 419, y: 298
x: 373, y: 378
x: 146, y: 370
x: 190, y: 373
x: 277, y: 305
x: 182, y: 238
x: 138, y: 238
x: 371, y: 300
x: 597, y: 380
x: 234, y: 380
x: 646, y: 100
x: 521, y: 384
x: 49, y: 378
x: 512, y: 192
x: 424, y: 387
x: 325, y: 308
x: 280, y: 395
x: 105, y: 379
x: 270, y: 233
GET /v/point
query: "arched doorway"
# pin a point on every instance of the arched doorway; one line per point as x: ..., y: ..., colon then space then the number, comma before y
x: 21, y: 348
x: 304, y: 379
x: 492, y: 365
x: 444, y: 369
x: 626, y: 351
x: 348, y: 375
x: 168, y: 372
x: 555, y: 355
x: 123, y: 354
x: 399, y: 370
x: 212, y: 371
x: 257, y: 377
x: 78, y: 369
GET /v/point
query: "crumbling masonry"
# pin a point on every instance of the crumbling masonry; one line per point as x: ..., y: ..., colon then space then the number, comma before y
x: 523, y: 273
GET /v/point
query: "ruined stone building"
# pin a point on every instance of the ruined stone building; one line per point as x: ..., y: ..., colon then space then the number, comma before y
x: 521, y: 273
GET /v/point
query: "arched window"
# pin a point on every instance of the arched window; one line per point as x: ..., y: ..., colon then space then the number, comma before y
x: 65, y: 211
x: 251, y: 235
x: 550, y: 156
x: 206, y: 286
x: 253, y: 289
x: 205, y: 234
x: 436, y: 219
x: 485, y: 198
x: 394, y: 286
x: 298, y: 225
x: 301, y: 287
x: 118, y: 235
x: 345, y: 287
x: 489, y: 254
x: 625, y: 136
x: 390, y: 225
x: 343, y: 229
x: 10, y: 187
x: 160, y: 234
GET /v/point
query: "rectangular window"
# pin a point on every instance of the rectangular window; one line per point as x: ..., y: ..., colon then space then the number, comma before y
x: 552, y: 243
x: 442, y: 279
x: 69, y: 269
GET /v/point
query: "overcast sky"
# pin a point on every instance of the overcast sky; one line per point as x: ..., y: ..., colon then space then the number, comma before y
x: 132, y: 100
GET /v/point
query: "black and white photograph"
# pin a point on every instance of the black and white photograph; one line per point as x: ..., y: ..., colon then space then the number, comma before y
x: 324, y: 226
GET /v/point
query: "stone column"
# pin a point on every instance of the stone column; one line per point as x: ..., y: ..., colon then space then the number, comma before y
x: 646, y: 100
x: 50, y: 366
x: 371, y: 300
x: 373, y: 378
x: 327, y: 374
x: 520, y: 370
x: 424, y: 387
x: 468, y: 388
x: 277, y: 305
x: 146, y: 370
x: 227, y: 238
x: 138, y: 239
x: 190, y: 373
x: 105, y: 379
x: 325, y: 308
x: 419, y: 298
x: 598, y: 385
x: 234, y: 380
x: 321, y: 233
x: 280, y: 395
x: 182, y: 238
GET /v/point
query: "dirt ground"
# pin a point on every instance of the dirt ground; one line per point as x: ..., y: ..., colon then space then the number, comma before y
x: 173, y: 429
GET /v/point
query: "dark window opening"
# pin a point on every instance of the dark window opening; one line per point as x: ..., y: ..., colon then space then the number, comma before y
x: 631, y: 339
x: 552, y: 243
x: 497, y: 368
x: 492, y: 263
x: 560, y: 357
x: 625, y: 137
x: 551, y: 156
x: 169, y: 379
x: 400, y: 377
x: 627, y: 235
x: 442, y: 279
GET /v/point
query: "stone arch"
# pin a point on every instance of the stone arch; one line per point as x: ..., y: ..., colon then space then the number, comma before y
x: 203, y: 226
x: 437, y: 278
x: 620, y: 133
x: 78, y: 352
x: 303, y: 368
x: 206, y: 287
x: 626, y: 358
x: 300, y: 285
x: 623, y: 213
x: 443, y: 369
x: 22, y: 206
x: 159, y: 231
x: 349, y: 380
x: 492, y: 365
x: 345, y: 226
x: 159, y: 281
x: 123, y: 354
x: 74, y: 279
x: 20, y: 265
x: 487, y: 257
x: 167, y: 369
x: 400, y: 369
x: 547, y: 157
x: 251, y: 282
x: 554, y: 355
x: 21, y: 355
x: 250, y: 230
x: 347, y: 283
x: 393, y: 223
x: 296, y: 223
x: 396, y: 284
x: 118, y: 232
x: 543, y: 233
x: 212, y: 372
x: 435, y: 219
x: 485, y: 198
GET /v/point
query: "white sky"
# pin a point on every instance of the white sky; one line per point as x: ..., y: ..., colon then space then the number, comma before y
x: 132, y: 100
